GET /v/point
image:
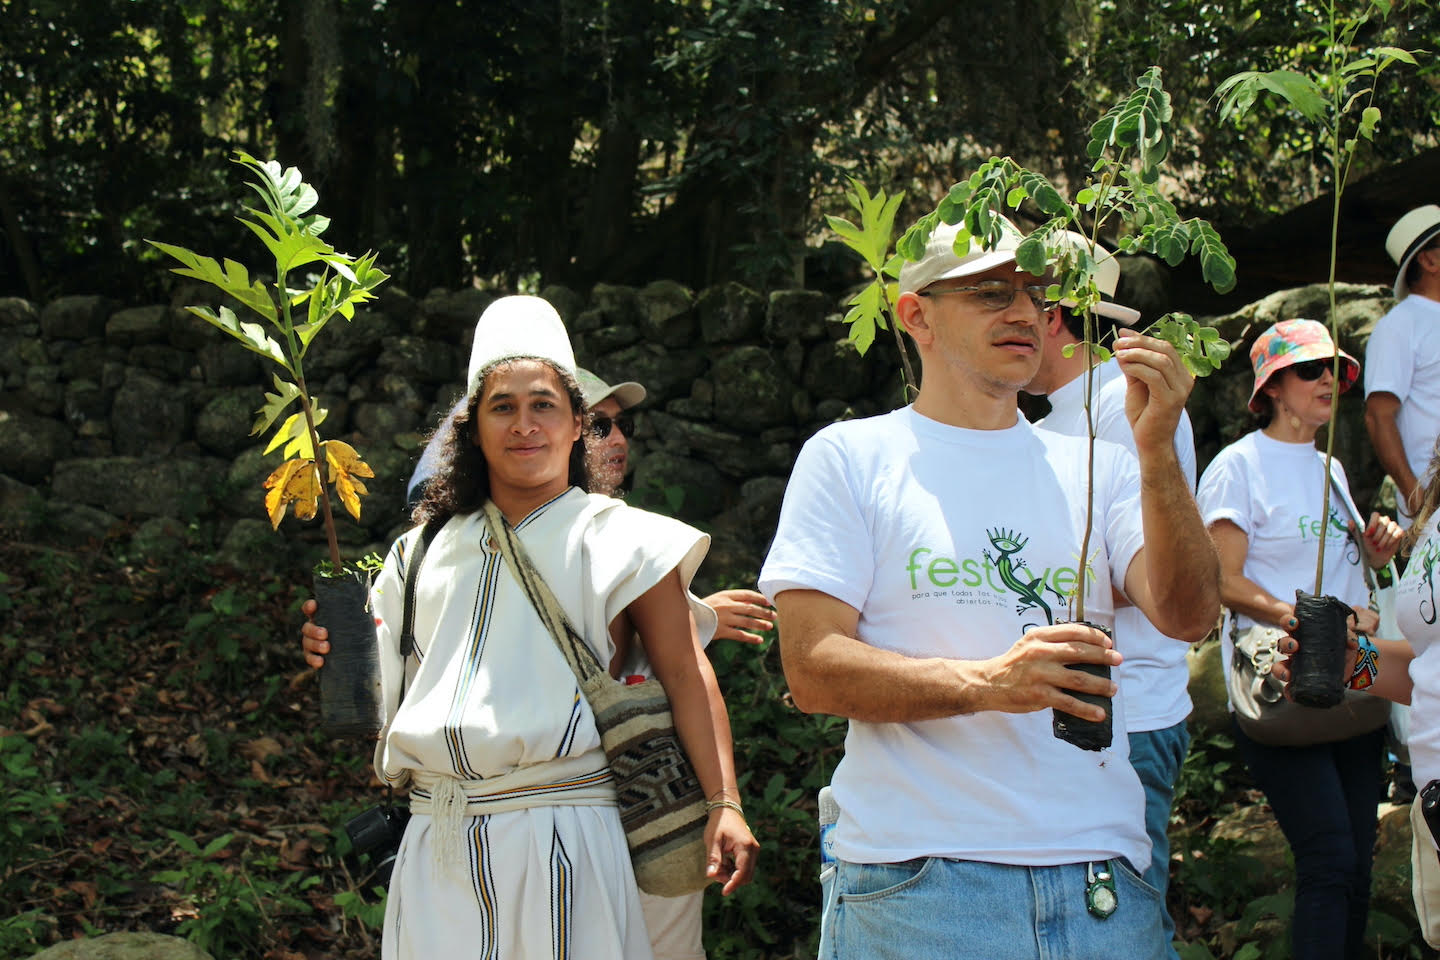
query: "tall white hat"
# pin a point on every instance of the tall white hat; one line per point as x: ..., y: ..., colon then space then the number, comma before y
x: 1408, y: 237
x: 518, y: 327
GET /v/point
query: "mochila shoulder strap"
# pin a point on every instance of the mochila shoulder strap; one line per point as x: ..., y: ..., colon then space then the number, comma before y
x: 576, y: 651
x: 412, y: 576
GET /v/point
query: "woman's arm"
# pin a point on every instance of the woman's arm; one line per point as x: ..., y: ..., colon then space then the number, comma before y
x: 1392, y: 675
x: 662, y: 618
x: 1239, y: 592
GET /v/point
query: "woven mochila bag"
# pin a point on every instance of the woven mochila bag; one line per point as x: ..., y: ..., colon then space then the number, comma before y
x: 662, y: 807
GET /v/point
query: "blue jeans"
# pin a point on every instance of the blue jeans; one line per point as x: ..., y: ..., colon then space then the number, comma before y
x: 1157, y: 756
x: 937, y: 908
x: 1324, y: 797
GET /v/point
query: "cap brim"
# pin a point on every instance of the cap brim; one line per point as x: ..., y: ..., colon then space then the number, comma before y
x: 1122, y: 315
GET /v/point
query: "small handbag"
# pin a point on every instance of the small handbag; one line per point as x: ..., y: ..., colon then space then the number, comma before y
x: 662, y: 807
x: 1258, y: 697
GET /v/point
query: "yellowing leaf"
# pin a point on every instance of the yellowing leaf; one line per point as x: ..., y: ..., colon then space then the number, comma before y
x: 294, y: 481
x: 345, y: 467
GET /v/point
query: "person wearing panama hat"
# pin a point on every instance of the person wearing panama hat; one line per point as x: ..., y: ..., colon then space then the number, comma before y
x: 1402, y: 359
x: 515, y: 841
x: 1259, y: 497
x: 1155, y: 675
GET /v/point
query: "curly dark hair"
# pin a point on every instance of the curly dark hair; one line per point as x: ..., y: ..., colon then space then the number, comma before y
x: 461, y: 481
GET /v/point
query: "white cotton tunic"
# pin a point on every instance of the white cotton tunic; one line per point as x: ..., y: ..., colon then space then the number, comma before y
x: 537, y: 867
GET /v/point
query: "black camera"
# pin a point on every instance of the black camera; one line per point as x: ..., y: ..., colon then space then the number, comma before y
x: 375, y: 834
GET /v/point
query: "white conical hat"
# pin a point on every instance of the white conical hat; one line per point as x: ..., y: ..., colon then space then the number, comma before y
x: 518, y: 327
x: 1408, y: 237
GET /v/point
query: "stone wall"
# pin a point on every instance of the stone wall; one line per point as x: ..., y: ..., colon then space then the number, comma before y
x: 134, y: 421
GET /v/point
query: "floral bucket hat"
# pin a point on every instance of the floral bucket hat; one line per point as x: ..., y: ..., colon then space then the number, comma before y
x: 1290, y: 342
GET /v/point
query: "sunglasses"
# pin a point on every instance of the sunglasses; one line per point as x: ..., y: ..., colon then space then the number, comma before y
x: 600, y: 426
x: 1311, y: 369
x: 998, y: 294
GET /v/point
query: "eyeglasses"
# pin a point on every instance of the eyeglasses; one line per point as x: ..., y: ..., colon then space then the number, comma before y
x: 1312, y: 369
x: 998, y: 294
x: 600, y: 426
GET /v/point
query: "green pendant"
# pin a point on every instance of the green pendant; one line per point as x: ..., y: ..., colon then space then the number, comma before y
x: 1100, y: 897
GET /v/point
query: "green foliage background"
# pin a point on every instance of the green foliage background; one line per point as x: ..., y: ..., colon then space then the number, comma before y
x: 613, y: 139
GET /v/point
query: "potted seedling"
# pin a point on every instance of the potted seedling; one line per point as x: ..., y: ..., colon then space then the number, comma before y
x: 291, y: 318
x: 1338, y: 98
x: 1128, y: 145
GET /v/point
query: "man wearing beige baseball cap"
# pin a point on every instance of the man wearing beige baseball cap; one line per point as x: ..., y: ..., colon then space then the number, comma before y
x: 1402, y: 360
x: 922, y: 567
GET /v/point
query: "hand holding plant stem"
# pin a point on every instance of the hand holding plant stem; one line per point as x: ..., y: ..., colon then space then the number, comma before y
x: 292, y: 235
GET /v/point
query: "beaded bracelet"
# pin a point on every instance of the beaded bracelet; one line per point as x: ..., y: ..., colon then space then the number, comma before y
x: 713, y: 805
x: 1367, y: 665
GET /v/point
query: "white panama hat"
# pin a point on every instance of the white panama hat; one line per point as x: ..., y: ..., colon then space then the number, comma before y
x: 627, y: 393
x: 1107, y: 280
x: 518, y: 327
x: 1408, y: 237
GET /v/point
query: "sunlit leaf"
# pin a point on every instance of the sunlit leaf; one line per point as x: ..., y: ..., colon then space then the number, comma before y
x: 293, y: 482
x: 345, y: 469
x: 275, y: 404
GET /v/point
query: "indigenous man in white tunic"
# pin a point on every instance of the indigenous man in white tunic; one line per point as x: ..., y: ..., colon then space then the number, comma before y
x: 514, y: 850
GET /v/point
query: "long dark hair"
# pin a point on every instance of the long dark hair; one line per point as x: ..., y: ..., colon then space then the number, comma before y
x: 461, y: 481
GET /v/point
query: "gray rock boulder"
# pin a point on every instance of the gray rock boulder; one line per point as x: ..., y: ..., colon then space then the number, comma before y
x: 176, y: 487
x: 422, y: 360
x: 451, y: 316
x: 730, y: 312
x: 75, y: 318
x: 125, y: 946
x: 836, y: 369
x: 796, y: 315
x: 248, y: 544
x: 31, y: 445
x: 1207, y: 690
x: 138, y: 325
x: 667, y: 314
x: 619, y: 306
x: 149, y: 415
x: 751, y: 389
x: 16, y: 313
x: 223, y: 424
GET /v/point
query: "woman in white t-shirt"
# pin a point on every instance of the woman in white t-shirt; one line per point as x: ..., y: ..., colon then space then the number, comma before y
x: 1261, y: 499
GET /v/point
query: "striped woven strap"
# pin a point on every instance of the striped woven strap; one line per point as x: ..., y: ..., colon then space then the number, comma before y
x: 576, y: 651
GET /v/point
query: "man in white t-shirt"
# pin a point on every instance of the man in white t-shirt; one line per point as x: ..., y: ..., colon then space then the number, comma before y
x: 1154, y: 676
x: 923, y: 568
x: 1402, y: 360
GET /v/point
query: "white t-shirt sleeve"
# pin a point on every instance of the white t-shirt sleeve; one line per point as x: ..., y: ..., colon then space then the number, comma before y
x: 1225, y: 492
x: 822, y: 541
x: 1389, y: 359
x: 1124, y: 527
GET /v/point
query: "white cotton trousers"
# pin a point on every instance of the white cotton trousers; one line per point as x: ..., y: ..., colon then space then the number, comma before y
x: 541, y: 883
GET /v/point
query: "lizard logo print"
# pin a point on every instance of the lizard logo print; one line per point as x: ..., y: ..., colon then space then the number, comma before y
x: 1014, y: 574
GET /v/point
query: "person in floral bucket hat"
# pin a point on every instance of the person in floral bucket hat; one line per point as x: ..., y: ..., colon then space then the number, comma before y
x: 1292, y: 342
x: 1258, y: 498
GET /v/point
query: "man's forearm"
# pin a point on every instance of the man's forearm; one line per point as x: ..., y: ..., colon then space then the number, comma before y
x: 1181, y: 565
x: 1384, y: 433
x: 837, y: 674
